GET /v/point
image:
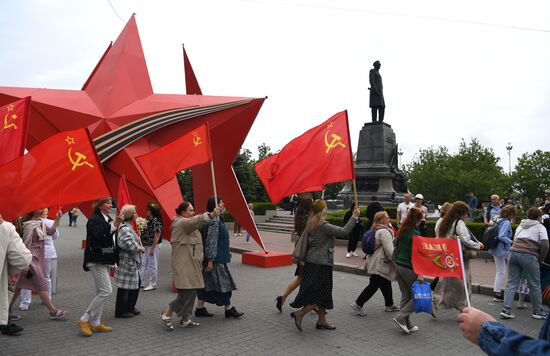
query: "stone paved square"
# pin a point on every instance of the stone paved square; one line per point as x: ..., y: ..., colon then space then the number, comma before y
x: 262, y: 330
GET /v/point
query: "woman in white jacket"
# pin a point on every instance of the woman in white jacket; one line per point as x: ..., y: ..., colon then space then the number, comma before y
x: 449, y: 292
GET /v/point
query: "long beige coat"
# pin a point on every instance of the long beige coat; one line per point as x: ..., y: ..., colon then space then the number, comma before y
x: 14, y: 258
x: 380, y: 262
x: 187, y: 251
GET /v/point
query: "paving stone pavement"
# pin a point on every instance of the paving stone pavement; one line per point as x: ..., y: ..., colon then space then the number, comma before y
x: 262, y: 330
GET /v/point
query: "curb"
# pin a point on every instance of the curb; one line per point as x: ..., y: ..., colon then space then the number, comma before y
x: 477, y: 288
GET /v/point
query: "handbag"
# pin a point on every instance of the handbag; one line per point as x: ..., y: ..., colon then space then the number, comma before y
x: 105, y: 255
x: 467, y: 253
x: 300, y: 250
x: 294, y: 236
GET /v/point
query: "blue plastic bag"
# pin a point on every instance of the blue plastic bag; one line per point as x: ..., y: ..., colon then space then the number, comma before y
x: 422, y: 297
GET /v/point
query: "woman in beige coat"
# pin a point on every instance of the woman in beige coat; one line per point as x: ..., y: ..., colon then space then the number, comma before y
x: 379, y: 265
x: 14, y: 258
x: 187, y: 256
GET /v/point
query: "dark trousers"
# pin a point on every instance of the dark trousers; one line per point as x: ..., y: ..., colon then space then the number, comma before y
x: 353, y: 238
x: 380, y: 113
x: 126, y: 300
x: 376, y: 282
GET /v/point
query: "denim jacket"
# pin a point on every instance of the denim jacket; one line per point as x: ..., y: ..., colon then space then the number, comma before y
x: 504, y: 237
x: 497, y: 339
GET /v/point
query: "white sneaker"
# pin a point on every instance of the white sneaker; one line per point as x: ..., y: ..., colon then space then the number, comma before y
x: 414, y: 329
x: 348, y: 255
x: 149, y: 288
x: 358, y: 309
x: 403, y: 327
x: 354, y: 254
x: 24, y: 307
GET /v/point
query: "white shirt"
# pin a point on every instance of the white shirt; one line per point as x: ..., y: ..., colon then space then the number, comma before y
x: 424, y: 211
x: 403, y: 210
x: 49, y: 248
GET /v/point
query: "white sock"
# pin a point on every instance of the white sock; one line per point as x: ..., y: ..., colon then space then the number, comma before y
x: 95, y: 323
x: 227, y: 307
x: 200, y: 304
x: 85, y: 317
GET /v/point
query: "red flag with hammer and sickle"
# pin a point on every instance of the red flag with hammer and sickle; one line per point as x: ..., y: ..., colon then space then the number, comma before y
x: 322, y: 155
x: 61, y: 170
x: 191, y: 149
x: 13, y: 129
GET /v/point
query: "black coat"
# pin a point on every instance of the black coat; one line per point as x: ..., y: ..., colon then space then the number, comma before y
x: 376, y: 90
x: 98, y: 235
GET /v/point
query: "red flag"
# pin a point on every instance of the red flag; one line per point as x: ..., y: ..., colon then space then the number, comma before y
x: 189, y: 150
x: 123, y: 196
x: 320, y: 156
x: 191, y: 83
x: 61, y: 170
x: 437, y: 257
x: 13, y: 131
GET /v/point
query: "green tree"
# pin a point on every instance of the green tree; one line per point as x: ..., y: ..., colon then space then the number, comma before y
x: 442, y: 176
x: 264, y: 151
x: 532, y: 174
x: 185, y: 181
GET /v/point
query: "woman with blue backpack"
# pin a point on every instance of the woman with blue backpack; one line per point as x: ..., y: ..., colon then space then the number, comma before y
x: 379, y: 265
x: 501, y: 251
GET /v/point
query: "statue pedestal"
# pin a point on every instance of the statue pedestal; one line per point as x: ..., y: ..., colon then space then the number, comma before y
x: 376, y: 169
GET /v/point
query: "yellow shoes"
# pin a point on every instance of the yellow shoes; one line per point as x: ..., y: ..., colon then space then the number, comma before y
x: 84, y: 327
x: 87, y: 329
x: 102, y: 327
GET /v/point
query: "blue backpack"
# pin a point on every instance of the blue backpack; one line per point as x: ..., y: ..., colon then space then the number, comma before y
x: 368, y: 242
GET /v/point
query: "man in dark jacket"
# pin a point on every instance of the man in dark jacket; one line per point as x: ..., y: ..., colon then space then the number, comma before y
x: 372, y: 209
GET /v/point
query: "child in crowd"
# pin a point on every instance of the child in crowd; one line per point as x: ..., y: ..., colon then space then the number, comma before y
x: 251, y: 209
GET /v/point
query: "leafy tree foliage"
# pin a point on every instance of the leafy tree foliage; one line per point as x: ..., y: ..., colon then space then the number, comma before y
x: 532, y: 174
x: 442, y: 176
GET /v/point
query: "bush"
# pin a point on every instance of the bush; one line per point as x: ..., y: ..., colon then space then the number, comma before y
x: 261, y: 207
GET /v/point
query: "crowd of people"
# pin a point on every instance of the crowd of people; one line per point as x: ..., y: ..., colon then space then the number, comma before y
x: 200, y: 259
x: 518, y: 253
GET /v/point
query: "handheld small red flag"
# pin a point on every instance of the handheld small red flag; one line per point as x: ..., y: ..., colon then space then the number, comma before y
x: 13, y: 129
x: 436, y: 257
x: 189, y: 150
x: 320, y: 156
x: 61, y: 170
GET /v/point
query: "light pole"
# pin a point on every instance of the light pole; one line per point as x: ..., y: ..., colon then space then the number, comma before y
x: 509, y: 148
x: 400, y: 153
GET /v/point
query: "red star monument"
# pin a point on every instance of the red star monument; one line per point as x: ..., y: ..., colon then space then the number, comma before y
x: 126, y: 119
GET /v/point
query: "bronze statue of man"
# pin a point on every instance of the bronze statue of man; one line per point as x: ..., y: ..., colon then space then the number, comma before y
x: 377, y: 103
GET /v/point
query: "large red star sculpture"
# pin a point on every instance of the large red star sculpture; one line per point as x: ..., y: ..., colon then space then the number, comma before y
x: 126, y: 119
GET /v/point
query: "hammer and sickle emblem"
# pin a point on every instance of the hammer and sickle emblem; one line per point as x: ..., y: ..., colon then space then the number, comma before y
x: 196, y: 139
x: 335, y: 141
x: 80, y: 159
x: 6, y: 119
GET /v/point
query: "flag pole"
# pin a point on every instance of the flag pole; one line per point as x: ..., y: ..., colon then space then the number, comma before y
x: 214, y: 182
x: 323, y: 194
x: 355, y: 191
x: 464, y: 273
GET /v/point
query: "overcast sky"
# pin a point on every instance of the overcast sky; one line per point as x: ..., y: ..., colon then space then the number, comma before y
x: 451, y: 69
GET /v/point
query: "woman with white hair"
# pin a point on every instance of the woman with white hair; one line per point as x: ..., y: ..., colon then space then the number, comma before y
x: 316, y: 287
x: 127, y: 272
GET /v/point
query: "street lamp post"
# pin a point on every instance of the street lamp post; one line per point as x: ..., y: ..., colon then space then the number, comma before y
x: 509, y: 148
x: 400, y: 153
